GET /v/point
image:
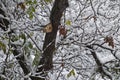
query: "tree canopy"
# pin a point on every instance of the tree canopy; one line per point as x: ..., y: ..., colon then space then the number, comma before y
x: 59, y: 40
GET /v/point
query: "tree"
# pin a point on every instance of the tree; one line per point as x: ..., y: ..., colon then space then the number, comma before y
x: 50, y: 38
x: 83, y: 42
x: 49, y: 44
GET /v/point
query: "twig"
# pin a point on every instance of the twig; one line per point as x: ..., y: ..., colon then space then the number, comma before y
x: 59, y: 73
x: 33, y: 41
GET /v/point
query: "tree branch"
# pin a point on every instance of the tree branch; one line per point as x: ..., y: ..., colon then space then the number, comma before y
x: 100, y: 66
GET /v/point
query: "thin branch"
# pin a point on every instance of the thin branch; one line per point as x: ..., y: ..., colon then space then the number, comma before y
x: 59, y: 73
x: 100, y: 65
x: 33, y: 41
x: 103, y: 47
x: 92, y: 8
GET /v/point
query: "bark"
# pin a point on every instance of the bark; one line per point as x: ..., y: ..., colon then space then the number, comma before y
x: 46, y: 62
x: 50, y: 38
x: 21, y: 59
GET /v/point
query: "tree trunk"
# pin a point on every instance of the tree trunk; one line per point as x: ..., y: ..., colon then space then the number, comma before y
x: 50, y: 38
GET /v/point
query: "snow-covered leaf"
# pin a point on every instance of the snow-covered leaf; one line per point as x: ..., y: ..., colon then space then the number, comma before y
x: 3, y: 46
x: 71, y: 73
x: 68, y: 22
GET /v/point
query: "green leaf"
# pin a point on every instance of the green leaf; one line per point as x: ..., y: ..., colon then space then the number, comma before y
x: 30, y: 45
x: 34, y: 2
x: 32, y: 8
x: 26, y: 50
x: 48, y: 1
x: 23, y: 37
x: 14, y: 38
x: 31, y: 34
x: 71, y: 73
x: 29, y: 2
x: 68, y: 22
x: 37, y: 57
x: 3, y: 46
x: 31, y: 16
x: 30, y: 12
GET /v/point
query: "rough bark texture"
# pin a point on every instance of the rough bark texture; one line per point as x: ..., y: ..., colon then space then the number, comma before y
x: 50, y: 38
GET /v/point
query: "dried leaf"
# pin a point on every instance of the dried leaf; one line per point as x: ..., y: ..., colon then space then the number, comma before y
x: 21, y: 5
x: 47, y: 28
x: 62, y: 65
x: 109, y: 40
x: 95, y: 18
x: 62, y: 31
